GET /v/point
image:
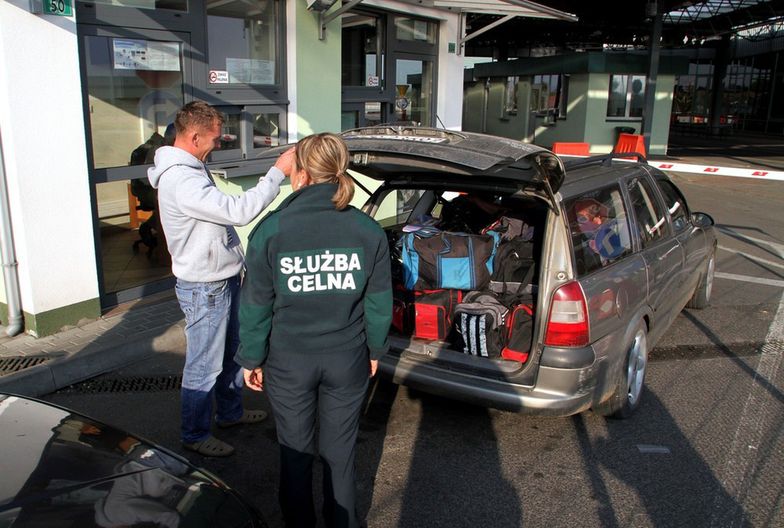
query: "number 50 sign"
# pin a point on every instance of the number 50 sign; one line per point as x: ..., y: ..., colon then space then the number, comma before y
x: 52, y: 7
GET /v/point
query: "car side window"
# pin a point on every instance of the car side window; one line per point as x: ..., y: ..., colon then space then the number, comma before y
x: 676, y: 204
x: 599, y: 229
x: 651, y: 222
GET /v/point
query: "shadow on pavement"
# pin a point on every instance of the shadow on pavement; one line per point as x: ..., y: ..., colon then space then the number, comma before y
x: 668, y: 475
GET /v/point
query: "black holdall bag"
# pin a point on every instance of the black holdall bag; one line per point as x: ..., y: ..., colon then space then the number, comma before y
x: 479, y: 320
x: 514, y: 261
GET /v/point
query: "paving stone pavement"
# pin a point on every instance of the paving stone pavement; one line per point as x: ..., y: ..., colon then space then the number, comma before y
x: 126, y: 334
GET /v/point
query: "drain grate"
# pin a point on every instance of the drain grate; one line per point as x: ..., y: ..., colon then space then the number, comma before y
x: 130, y: 384
x: 9, y: 365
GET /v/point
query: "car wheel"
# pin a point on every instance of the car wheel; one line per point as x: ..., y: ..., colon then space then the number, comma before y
x: 702, y: 293
x: 628, y: 389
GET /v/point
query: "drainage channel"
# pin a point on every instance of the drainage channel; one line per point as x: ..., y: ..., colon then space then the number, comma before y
x: 12, y: 364
x: 129, y: 384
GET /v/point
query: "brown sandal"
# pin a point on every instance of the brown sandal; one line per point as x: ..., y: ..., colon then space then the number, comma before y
x: 211, y: 447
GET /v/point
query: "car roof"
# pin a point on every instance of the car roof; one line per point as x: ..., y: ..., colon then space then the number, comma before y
x: 598, y: 171
x: 423, y: 155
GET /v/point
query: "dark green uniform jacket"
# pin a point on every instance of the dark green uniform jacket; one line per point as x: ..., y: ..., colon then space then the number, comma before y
x: 317, y: 280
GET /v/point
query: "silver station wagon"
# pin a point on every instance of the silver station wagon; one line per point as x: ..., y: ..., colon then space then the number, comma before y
x: 609, y: 249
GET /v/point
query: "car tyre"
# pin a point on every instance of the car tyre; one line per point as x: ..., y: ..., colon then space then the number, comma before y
x: 701, y: 297
x: 631, y: 377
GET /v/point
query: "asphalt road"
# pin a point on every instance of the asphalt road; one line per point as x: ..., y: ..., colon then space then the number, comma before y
x: 704, y: 449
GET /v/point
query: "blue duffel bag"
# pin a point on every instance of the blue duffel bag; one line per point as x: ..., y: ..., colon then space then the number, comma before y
x: 435, y: 259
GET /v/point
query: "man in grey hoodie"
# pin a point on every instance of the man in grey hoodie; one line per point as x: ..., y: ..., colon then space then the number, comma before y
x: 207, y: 259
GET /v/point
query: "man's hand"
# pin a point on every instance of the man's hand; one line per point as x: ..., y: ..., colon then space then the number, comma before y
x: 287, y: 162
x: 254, y: 379
x: 373, y: 367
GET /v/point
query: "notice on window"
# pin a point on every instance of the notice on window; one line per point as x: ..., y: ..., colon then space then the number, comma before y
x: 251, y: 71
x: 218, y: 77
x: 146, y: 55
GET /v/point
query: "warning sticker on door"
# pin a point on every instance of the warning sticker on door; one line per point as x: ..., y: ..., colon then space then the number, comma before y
x: 218, y: 77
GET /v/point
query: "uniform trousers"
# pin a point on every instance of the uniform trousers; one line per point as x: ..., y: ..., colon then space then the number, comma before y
x: 330, y: 387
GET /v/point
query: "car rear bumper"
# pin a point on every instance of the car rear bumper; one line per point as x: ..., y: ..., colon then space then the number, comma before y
x: 558, y: 391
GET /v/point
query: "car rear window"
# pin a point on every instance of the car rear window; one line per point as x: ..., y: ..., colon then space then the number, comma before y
x: 599, y: 229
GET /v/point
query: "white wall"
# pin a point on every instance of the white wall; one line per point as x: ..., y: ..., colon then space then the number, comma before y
x: 45, y: 158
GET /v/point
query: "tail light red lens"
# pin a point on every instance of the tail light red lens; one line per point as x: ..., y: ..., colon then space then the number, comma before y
x: 567, y: 325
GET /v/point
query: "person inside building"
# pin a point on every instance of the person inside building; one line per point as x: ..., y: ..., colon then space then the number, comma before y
x: 320, y: 270
x: 198, y: 221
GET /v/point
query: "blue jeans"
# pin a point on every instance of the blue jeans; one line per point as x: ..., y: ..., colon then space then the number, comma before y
x: 212, y: 337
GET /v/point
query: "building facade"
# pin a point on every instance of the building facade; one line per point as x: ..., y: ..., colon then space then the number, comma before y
x: 85, y: 99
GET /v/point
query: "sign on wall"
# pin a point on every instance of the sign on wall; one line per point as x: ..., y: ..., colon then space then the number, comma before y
x: 52, y: 7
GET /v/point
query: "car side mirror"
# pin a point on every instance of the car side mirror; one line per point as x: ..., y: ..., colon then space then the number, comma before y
x: 702, y: 219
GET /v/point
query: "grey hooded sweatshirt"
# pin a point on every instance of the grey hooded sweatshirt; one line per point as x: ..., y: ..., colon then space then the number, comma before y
x: 198, y: 218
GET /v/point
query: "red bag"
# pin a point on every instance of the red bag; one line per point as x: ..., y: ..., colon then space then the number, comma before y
x: 520, y: 331
x: 433, y: 311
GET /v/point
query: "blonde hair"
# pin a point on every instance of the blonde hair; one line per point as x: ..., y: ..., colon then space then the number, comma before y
x: 325, y: 158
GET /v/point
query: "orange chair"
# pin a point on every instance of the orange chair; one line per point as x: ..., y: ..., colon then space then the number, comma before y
x: 630, y: 143
x: 136, y: 214
x: 571, y: 149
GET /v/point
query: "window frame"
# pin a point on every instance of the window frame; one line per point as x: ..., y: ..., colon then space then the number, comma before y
x: 190, y: 28
x: 667, y: 229
x: 628, y: 98
x: 568, y: 203
x: 664, y: 182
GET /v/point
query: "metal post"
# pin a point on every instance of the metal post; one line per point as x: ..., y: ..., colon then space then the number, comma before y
x: 654, y: 47
x: 8, y: 255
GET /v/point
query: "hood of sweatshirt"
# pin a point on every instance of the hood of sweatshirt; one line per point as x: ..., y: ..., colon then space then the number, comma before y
x: 168, y: 157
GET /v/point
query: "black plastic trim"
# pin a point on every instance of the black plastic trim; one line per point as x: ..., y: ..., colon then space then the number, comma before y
x: 567, y: 358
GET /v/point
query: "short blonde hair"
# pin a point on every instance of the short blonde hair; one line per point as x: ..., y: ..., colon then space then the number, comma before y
x: 325, y: 158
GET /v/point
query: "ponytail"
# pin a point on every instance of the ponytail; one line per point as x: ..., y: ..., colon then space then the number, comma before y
x: 345, y: 192
x: 325, y: 158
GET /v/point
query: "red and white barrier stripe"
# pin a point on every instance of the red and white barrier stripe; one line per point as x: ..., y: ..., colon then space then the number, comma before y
x: 713, y: 170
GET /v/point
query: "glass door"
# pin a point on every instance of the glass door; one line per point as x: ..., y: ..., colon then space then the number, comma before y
x: 134, y: 83
x: 414, y: 90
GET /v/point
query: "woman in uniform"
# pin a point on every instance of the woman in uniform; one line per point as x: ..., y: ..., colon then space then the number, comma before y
x: 315, y: 310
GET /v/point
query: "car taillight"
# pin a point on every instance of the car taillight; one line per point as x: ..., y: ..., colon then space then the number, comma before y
x: 568, y: 322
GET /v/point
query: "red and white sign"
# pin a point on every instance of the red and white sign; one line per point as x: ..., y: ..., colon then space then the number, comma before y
x: 218, y: 77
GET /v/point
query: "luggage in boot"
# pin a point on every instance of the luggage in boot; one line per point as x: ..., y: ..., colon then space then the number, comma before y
x: 433, y: 312
x: 519, y: 333
x: 479, y: 320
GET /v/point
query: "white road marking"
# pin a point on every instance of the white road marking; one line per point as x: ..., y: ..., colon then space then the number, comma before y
x: 747, y: 278
x: 752, y: 257
x: 777, y: 247
x: 649, y: 449
x: 742, y: 457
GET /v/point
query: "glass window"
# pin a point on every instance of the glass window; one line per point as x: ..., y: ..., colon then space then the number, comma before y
x: 230, y: 132
x: 675, y: 203
x: 266, y: 129
x: 174, y: 5
x: 549, y: 93
x: 134, y: 89
x: 414, y: 84
x: 416, y: 30
x: 349, y: 119
x: 651, y: 221
x: 396, y: 207
x: 599, y: 229
x: 626, y: 97
x: 242, y: 42
x: 510, y: 96
x: 362, y: 50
